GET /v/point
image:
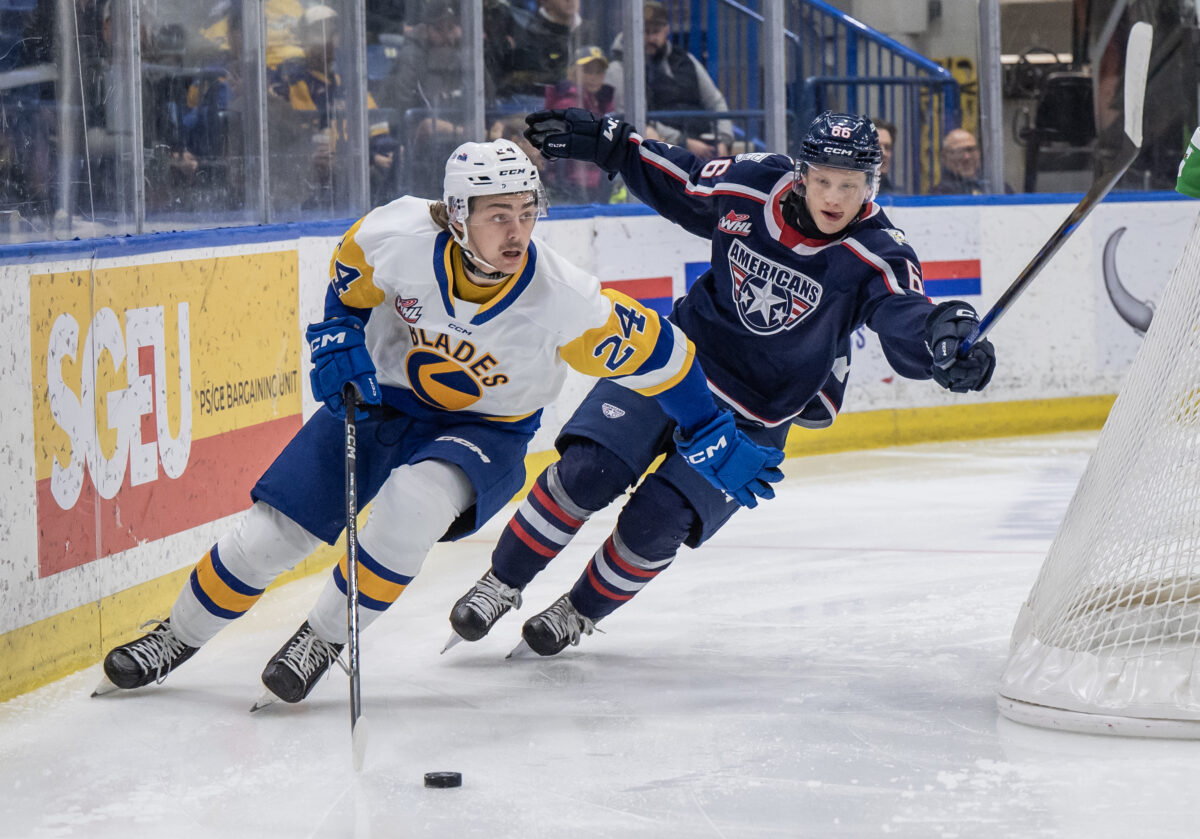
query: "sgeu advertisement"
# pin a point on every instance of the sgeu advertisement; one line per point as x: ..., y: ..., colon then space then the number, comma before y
x: 161, y: 393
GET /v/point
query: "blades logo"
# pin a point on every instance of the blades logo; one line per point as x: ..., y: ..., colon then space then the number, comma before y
x: 770, y: 297
x: 736, y: 223
x: 409, y: 308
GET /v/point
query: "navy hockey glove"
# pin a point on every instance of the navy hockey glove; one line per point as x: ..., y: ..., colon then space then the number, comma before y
x: 578, y: 134
x: 731, y: 461
x: 340, y: 357
x: 945, y: 329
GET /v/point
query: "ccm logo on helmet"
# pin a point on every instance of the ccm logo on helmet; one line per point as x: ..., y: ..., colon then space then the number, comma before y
x: 836, y: 150
x: 504, y: 172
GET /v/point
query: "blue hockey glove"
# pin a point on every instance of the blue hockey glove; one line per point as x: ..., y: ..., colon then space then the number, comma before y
x: 945, y: 329
x: 731, y: 461
x: 340, y: 357
x: 578, y: 134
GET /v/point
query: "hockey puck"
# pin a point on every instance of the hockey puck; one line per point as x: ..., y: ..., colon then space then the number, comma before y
x: 443, y: 780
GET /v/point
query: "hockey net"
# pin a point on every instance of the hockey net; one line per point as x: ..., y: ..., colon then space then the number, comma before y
x: 1108, y: 640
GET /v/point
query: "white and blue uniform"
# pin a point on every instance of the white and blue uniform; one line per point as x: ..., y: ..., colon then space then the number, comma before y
x: 463, y: 385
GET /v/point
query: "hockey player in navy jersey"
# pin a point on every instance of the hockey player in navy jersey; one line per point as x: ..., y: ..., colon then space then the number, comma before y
x: 458, y: 326
x: 801, y: 258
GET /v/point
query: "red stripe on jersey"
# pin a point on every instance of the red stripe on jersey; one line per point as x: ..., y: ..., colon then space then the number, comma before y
x: 611, y: 552
x: 733, y: 192
x: 551, y: 507
x: 530, y: 542
x: 657, y: 165
x: 789, y: 236
x: 600, y: 587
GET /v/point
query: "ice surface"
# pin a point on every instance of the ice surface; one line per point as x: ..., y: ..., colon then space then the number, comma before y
x: 825, y: 667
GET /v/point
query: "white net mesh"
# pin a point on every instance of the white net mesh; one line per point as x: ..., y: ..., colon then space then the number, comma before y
x: 1112, y: 625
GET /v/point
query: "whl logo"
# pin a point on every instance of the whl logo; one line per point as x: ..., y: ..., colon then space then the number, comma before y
x: 409, y: 308
x: 735, y: 223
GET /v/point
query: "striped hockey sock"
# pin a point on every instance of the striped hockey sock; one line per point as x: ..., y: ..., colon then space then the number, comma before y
x: 544, y: 524
x: 614, y: 575
x: 213, y: 597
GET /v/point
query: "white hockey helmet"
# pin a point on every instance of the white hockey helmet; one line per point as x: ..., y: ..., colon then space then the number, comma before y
x: 494, y: 168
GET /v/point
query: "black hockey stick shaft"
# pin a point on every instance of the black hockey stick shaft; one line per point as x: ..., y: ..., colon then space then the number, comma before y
x: 350, y: 397
x: 1137, y: 59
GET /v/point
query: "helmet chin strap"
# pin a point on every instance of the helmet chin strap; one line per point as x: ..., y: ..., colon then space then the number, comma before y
x: 471, y: 261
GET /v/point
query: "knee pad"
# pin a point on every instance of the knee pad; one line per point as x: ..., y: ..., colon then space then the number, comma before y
x: 656, y: 520
x: 414, y: 508
x: 591, y: 475
x: 264, y: 545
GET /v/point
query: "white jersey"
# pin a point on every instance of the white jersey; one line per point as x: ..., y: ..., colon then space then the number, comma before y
x: 504, y: 359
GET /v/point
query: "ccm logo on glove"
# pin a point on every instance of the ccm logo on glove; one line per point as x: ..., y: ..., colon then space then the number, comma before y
x: 709, y: 452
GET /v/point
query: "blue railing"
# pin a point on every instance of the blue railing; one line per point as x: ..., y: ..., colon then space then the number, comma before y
x: 833, y: 61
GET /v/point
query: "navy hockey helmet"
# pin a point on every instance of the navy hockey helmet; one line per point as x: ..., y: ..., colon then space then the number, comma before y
x: 841, y: 141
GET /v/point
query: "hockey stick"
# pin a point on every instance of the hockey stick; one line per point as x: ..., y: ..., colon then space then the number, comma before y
x: 358, y: 732
x: 1137, y: 66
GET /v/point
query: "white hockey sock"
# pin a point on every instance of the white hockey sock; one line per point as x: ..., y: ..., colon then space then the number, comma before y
x: 231, y: 577
x: 414, y: 508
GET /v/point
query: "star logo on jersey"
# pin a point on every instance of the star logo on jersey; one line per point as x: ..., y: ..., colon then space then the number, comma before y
x: 409, y: 308
x: 736, y: 223
x: 770, y: 297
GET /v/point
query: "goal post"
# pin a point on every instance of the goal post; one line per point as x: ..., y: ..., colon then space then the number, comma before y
x: 1108, y: 640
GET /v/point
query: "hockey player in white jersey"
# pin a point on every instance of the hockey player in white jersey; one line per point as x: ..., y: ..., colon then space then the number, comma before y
x: 456, y: 326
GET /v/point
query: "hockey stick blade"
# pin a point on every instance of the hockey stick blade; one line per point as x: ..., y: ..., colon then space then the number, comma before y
x: 1137, y: 67
x: 358, y: 742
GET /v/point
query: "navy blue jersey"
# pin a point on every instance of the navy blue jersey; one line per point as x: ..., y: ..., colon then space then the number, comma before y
x: 772, y: 318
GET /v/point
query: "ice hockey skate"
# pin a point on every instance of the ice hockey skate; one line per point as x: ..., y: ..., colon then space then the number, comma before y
x: 549, y: 632
x: 148, y: 659
x: 292, y: 672
x: 477, y: 611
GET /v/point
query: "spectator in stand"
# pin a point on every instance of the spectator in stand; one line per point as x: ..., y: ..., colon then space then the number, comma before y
x: 500, y: 30
x: 676, y: 81
x: 385, y: 21
x: 306, y: 117
x: 887, y: 139
x: 584, y: 85
x: 426, y: 87
x: 382, y: 154
x: 543, y: 47
x: 577, y: 181
x: 961, y: 165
